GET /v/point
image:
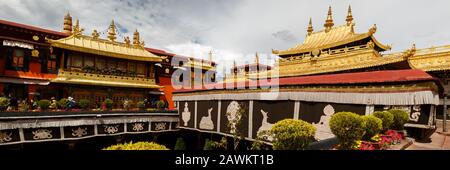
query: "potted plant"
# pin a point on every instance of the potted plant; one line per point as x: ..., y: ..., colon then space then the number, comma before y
x: 4, y: 103
x: 141, y: 105
x: 160, y: 105
x: 108, y: 104
x: 44, y: 104
x: 84, y: 104
x: 23, y: 106
x: 62, y: 103
x: 127, y: 104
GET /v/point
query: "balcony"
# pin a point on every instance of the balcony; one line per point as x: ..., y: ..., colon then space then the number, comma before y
x: 83, y: 78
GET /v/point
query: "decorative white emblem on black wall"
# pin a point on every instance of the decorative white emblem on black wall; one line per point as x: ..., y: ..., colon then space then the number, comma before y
x: 233, y: 115
x: 138, y: 127
x: 415, y: 114
x: 206, y: 122
x: 42, y: 134
x: 5, y: 137
x: 79, y: 132
x: 111, y: 129
x: 265, y: 127
x: 186, y: 114
x: 323, y: 127
x: 160, y: 126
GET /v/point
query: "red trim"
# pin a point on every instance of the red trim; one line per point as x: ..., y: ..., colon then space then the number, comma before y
x: 33, y: 28
x: 331, y: 79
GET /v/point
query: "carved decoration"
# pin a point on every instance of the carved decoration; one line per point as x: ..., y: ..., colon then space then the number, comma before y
x: 5, y: 137
x: 160, y: 126
x: 138, y: 127
x: 42, y: 134
x: 79, y: 132
x: 111, y: 129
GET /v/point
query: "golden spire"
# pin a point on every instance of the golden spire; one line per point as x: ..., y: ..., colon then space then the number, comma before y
x: 349, y: 16
x: 77, y: 31
x: 329, y: 22
x: 112, y: 31
x: 257, y: 58
x: 95, y: 34
x: 310, y: 27
x: 136, y: 38
x: 127, y: 41
x: 210, y: 55
x: 67, y: 28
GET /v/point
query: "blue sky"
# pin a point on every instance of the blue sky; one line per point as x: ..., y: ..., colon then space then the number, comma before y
x: 236, y: 29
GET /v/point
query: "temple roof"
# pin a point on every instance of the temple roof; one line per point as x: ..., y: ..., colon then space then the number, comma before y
x: 336, y: 36
x: 82, y: 43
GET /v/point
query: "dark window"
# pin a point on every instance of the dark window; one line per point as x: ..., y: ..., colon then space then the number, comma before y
x: 17, y: 59
x: 51, y: 64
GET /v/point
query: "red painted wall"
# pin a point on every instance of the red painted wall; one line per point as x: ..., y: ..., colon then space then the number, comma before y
x: 168, y: 90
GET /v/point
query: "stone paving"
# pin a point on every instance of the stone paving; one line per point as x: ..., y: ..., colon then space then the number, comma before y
x: 437, y: 141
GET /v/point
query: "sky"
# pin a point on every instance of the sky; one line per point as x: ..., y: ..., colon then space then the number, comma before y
x: 234, y: 30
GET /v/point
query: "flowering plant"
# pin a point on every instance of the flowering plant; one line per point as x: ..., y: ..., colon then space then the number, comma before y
x: 376, y: 138
x: 357, y: 145
x: 366, y: 146
x: 396, y: 137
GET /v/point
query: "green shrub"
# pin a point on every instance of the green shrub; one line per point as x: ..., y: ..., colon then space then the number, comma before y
x: 137, y: 146
x: 109, y: 103
x: 141, y: 105
x: 386, y: 117
x: 348, y: 128
x: 4, y: 103
x: 213, y: 145
x: 44, y: 104
x: 373, y: 126
x: 179, y: 145
x: 290, y: 134
x: 400, y: 118
x: 84, y: 103
x: 160, y: 104
x: 62, y: 103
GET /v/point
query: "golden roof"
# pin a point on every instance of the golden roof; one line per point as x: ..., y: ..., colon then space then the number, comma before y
x: 431, y: 59
x: 104, y: 80
x: 363, y: 56
x: 337, y: 36
x: 82, y: 43
x: 331, y: 36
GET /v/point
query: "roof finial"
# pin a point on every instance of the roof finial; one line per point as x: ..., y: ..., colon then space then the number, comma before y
x: 310, y: 27
x: 67, y: 28
x: 95, y: 34
x: 77, y: 31
x: 136, y: 38
x: 112, y: 31
x: 257, y: 58
x: 349, y: 16
x: 210, y: 55
x: 329, y: 22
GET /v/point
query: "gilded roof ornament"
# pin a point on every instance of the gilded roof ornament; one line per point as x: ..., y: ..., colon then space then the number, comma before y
x: 329, y: 22
x: 373, y: 29
x: 95, y: 34
x: 256, y: 58
x: 349, y: 18
x: 410, y: 52
x: 210, y: 55
x: 67, y: 23
x: 310, y: 27
x: 112, y: 31
x: 77, y: 31
x: 136, y: 38
x: 275, y: 51
x: 127, y: 41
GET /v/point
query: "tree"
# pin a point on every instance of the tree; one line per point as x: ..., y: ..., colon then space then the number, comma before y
x: 179, y: 145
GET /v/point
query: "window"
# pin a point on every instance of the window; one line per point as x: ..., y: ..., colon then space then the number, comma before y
x: 132, y: 67
x: 88, y: 61
x: 77, y: 61
x: 140, y: 69
x: 122, y: 66
x: 99, y: 63
x: 51, y: 64
x: 17, y: 59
